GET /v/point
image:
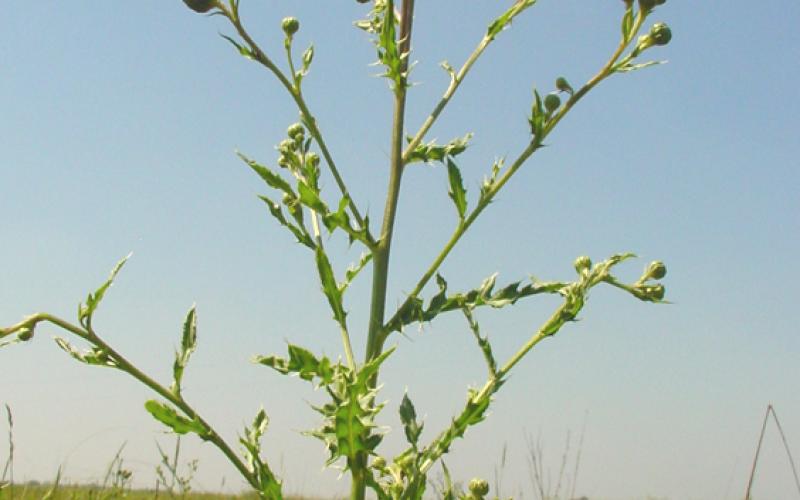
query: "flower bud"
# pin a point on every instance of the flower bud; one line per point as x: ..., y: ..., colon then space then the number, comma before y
x: 552, y: 102
x: 290, y: 25
x: 378, y: 463
x: 656, y: 271
x: 295, y: 130
x: 286, y: 147
x: 582, y: 264
x: 653, y: 293
x: 660, y: 34
x: 648, y: 5
x: 25, y: 334
x: 563, y: 85
x: 201, y: 6
x: 312, y: 159
x: 478, y: 487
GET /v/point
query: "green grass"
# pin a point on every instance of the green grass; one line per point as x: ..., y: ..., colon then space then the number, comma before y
x: 37, y: 491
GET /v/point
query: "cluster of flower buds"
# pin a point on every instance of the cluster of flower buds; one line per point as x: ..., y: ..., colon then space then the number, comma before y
x: 651, y: 292
x: 202, y: 6
x: 294, y: 153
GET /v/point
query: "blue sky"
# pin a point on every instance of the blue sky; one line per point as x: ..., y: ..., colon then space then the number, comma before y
x: 118, y: 126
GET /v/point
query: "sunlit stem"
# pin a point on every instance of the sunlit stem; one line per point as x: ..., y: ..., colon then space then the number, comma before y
x: 462, y: 227
x: 126, y: 366
x: 294, y: 90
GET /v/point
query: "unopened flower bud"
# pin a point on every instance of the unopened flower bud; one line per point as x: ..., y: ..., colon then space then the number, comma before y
x: 582, y: 264
x: 563, y: 85
x: 661, y: 34
x: 653, y: 293
x: 378, y: 463
x: 552, y: 102
x: 478, y: 487
x: 286, y: 147
x: 656, y: 270
x: 295, y: 130
x: 290, y: 25
x: 201, y: 6
x: 25, y: 334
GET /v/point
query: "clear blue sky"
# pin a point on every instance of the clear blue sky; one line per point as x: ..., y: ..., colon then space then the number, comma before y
x: 118, y: 123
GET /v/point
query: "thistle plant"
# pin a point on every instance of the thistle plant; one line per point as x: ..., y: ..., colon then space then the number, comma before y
x: 349, y: 430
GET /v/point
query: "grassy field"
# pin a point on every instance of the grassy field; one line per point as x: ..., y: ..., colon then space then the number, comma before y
x: 78, y: 492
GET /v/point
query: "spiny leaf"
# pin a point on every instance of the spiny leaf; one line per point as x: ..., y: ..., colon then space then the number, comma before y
x: 85, y: 312
x: 188, y: 346
x: 302, y: 362
x: 408, y: 417
x: 505, y: 19
x: 95, y: 356
x: 353, y: 271
x: 168, y: 416
x: 330, y: 288
x: 433, y: 152
x: 300, y: 233
x: 628, y: 67
x: 457, y: 192
x: 243, y: 51
x: 310, y: 198
x: 272, y: 179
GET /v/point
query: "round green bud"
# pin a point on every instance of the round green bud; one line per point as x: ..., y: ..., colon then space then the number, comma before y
x: 201, y: 6
x: 582, y: 263
x: 290, y: 25
x: 25, y: 334
x: 656, y: 270
x: 563, y: 85
x: 378, y: 463
x: 552, y: 102
x: 295, y: 130
x: 478, y: 487
x: 653, y: 293
x: 286, y: 147
x: 660, y: 34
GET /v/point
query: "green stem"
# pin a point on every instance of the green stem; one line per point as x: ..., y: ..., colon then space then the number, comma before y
x: 126, y: 366
x: 462, y: 227
x: 311, y: 122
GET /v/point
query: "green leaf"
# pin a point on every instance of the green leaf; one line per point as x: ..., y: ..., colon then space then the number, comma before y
x: 300, y: 233
x: 628, y: 67
x: 457, y: 192
x: 433, y: 152
x: 95, y: 356
x: 408, y: 417
x: 627, y: 24
x: 330, y: 288
x: 169, y: 417
x: 505, y: 19
x: 308, y: 56
x: 353, y: 271
x: 188, y: 346
x: 85, y: 312
x: 310, y: 198
x: 243, y: 51
x: 272, y: 179
x: 302, y: 362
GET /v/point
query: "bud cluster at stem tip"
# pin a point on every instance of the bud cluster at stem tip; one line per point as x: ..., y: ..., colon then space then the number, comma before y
x: 478, y: 487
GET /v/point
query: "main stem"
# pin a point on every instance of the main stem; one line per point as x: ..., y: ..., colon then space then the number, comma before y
x: 380, y: 255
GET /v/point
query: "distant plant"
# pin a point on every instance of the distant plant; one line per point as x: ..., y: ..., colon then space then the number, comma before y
x: 349, y: 430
